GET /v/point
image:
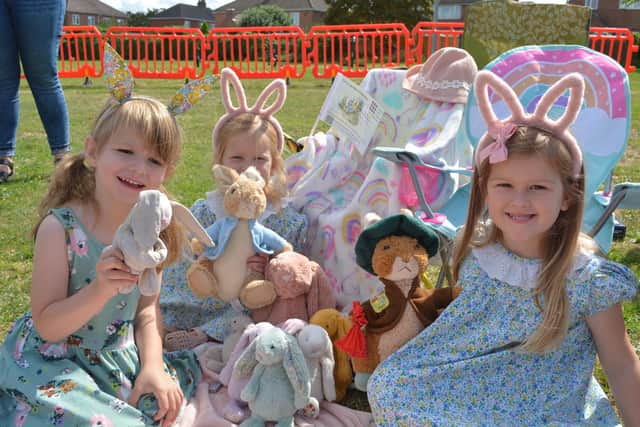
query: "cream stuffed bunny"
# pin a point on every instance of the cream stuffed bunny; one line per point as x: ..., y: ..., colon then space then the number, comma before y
x: 138, y: 237
x: 237, y: 236
x: 317, y: 348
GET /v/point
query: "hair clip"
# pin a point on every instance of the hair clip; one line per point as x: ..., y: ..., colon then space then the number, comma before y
x: 120, y: 84
x: 492, y: 144
x: 229, y: 78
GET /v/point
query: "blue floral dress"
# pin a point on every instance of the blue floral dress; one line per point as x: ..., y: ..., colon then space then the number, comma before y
x: 464, y: 370
x: 86, y: 379
x: 180, y: 308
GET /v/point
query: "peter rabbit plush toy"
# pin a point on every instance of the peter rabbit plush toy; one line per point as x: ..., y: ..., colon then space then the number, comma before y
x: 279, y: 385
x: 138, y: 237
x: 396, y: 249
x: 236, y: 237
x: 337, y: 326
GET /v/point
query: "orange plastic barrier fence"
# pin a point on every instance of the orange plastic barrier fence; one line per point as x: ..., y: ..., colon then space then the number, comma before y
x: 354, y: 49
x: 428, y: 37
x: 617, y: 43
x: 160, y: 52
x: 80, y: 52
x: 265, y: 52
x: 271, y: 52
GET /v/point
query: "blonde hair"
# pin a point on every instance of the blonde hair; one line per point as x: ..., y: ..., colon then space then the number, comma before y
x: 561, y: 243
x: 73, y: 180
x: 276, y: 188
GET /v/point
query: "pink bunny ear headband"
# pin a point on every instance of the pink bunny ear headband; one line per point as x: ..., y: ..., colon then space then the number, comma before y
x: 120, y: 83
x: 493, y: 144
x: 229, y: 78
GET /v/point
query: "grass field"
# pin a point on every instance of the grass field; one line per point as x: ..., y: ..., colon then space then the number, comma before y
x: 19, y: 198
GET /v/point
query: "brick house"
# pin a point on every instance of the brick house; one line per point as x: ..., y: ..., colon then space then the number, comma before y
x: 304, y: 13
x: 92, y: 12
x: 613, y: 13
x: 183, y: 15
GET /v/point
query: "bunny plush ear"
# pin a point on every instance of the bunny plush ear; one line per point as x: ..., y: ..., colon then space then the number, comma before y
x: 328, y: 363
x: 228, y: 78
x: 295, y: 366
x: 252, y: 174
x: 247, y: 361
x: 493, y: 144
x: 186, y: 218
x: 224, y: 176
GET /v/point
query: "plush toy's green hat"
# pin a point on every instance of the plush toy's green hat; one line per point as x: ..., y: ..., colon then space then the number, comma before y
x: 394, y: 225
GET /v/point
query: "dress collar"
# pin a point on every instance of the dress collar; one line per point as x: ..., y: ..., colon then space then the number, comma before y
x: 215, y: 202
x: 501, y: 264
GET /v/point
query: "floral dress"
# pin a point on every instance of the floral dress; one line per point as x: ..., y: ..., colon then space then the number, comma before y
x: 464, y: 369
x: 180, y: 308
x: 86, y: 379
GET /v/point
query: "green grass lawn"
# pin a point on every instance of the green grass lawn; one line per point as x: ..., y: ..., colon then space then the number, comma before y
x: 22, y: 194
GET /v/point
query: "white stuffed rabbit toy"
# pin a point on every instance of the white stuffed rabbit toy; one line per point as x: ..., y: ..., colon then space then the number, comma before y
x: 138, y: 237
x: 279, y: 383
x: 317, y: 348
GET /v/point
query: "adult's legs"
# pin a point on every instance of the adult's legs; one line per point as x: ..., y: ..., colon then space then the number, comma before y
x: 38, y: 27
x: 9, y: 84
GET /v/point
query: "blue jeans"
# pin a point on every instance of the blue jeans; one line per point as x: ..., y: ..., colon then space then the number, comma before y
x: 30, y: 32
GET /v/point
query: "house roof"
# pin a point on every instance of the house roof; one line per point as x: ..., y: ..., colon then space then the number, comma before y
x: 93, y: 7
x: 288, y: 5
x: 186, y: 11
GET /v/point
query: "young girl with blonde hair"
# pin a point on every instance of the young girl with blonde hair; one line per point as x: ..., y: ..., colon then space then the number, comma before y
x: 87, y: 353
x: 518, y: 346
x: 244, y: 136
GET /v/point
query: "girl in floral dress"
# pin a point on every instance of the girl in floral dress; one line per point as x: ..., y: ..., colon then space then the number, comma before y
x: 518, y: 346
x: 242, y: 137
x: 87, y: 354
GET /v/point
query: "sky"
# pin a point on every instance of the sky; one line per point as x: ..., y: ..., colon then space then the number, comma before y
x: 144, y: 5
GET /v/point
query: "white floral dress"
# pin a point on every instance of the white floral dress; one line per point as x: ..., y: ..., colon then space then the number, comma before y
x: 180, y: 308
x: 86, y: 379
x: 463, y: 369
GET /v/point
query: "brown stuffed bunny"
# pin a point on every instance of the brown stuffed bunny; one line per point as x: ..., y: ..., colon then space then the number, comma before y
x: 302, y: 288
x: 237, y: 236
x: 397, y: 250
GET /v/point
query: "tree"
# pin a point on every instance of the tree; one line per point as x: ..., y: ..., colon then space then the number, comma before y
x: 141, y: 19
x: 204, y: 28
x: 202, y: 3
x: 264, y: 16
x: 408, y: 12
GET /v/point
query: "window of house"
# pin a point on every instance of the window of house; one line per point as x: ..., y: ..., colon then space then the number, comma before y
x: 295, y: 18
x: 120, y: 21
x: 91, y: 20
x: 635, y: 5
x: 75, y: 19
x: 593, y: 4
x: 187, y: 23
x: 450, y: 11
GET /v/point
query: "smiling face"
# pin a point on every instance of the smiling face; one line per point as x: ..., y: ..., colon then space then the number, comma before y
x: 124, y: 166
x: 524, y: 196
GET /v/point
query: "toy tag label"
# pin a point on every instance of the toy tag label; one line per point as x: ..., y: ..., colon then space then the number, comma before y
x: 379, y: 302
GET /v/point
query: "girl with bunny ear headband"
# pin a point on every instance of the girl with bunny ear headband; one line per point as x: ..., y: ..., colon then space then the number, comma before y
x: 537, y: 301
x: 246, y: 135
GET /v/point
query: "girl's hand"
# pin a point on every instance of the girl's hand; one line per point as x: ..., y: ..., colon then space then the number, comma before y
x: 112, y: 274
x: 167, y: 392
x: 257, y: 263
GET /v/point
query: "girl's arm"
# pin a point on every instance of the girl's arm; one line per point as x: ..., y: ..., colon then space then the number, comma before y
x: 55, y: 314
x: 619, y: 361
x: 152, y: 377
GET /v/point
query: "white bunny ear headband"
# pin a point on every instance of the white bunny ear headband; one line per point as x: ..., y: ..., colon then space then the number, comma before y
x: 120, y: 83
x: 229, y: 78
x: 493, y: 144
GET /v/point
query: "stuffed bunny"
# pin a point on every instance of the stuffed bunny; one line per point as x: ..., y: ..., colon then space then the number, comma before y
x: 317, y: 348
x: 218, y: 355
x: 138, y: 237
x: 237, y: 236
x: 279, y: 383
x: 337, y: 326
x: 302, y: 288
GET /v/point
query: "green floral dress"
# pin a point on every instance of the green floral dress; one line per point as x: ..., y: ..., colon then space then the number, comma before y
x: 86, y: 379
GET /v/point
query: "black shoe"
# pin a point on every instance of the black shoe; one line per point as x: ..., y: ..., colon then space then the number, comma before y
x: 619, y: 230
x: 4, y: 175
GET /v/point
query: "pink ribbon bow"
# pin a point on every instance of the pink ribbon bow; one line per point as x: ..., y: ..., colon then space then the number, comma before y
x: 497, y: 150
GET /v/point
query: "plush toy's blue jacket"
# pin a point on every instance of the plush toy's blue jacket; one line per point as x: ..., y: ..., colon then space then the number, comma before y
x: 265, y: 240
